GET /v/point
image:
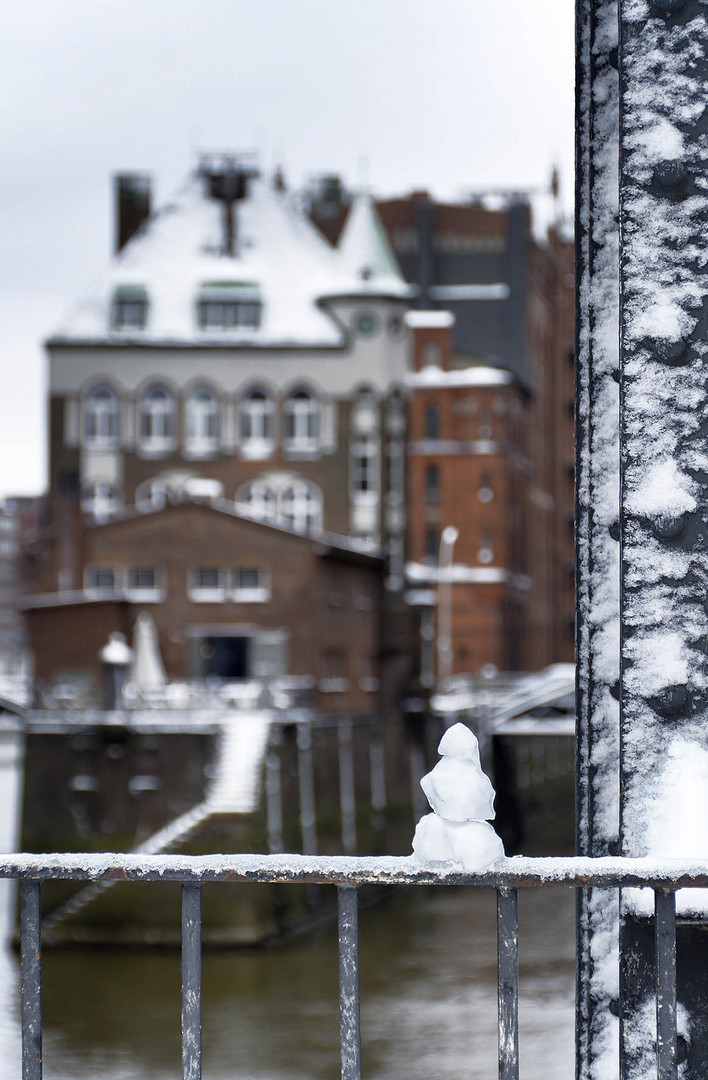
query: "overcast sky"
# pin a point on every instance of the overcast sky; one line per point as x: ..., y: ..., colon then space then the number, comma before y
x: 446, y: 95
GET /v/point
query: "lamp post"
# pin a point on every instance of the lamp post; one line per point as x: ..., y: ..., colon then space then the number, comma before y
x: 445, y: 652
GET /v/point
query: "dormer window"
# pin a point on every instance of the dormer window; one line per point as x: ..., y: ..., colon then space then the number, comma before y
x: 229, y: 305
x: 130, y: 307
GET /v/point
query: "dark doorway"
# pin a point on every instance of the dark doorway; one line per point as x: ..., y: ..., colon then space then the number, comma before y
x: 224, y: 656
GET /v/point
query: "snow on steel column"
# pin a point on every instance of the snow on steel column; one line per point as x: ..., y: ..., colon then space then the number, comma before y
x: 597, y: 524
x: 663, y: 63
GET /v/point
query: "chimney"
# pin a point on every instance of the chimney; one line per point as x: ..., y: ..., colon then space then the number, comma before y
x: 227, y: 177
x: 132, y: 201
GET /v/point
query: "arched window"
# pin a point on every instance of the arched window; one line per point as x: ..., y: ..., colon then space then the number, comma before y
x: 301, y: 422
x: 157, y: 421
x: 258, y: 500
x: 301, y: 507
x: 152, y: 495
x: 202, y: 422
x: 101, y: 418
x: 365, y: 413
x: 100, y: 501
x: 257, y: 424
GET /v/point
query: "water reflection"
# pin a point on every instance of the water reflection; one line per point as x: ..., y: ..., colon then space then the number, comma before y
x: 428, y: 1000
x: 428, y: 963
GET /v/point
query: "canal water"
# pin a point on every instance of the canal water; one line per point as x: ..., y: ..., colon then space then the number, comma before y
x: 428, y: 970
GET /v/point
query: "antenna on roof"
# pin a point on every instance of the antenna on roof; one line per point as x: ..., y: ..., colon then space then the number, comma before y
x: 227, y: 176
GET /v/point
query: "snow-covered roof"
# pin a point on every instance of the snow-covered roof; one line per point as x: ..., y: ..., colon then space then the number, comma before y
x: 482, y: 575
x: 429, y: 320
x: 367, y: 255
x: 280, y: 259
x: 476, y: 375
x: 509, y: 695
x: 498, y: 291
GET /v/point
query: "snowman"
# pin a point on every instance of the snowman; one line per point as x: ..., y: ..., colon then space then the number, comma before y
x: 462, y: 799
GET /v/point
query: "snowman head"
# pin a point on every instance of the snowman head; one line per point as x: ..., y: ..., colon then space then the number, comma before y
x: 459, y: 742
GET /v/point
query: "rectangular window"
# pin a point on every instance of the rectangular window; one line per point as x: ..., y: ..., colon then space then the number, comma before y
x: 129, y: 314
x: 100, y: 579
x: 228, y: 314
x: 432, y: 421
x: 334, y: 590
x: 365, y: 460
x: 145, y: 583
x: 250, y: 585
x: 333, y: 666
x: 206, y: 584
x: 129, y: 309
x: 368, y: 679
x: 363, y: 595
x: 432, y: 546
x: 432, y: 484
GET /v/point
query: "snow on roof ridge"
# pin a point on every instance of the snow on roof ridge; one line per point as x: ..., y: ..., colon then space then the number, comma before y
x: 366, y: 253
x: 225, y: 506
x: 180, y: 248
x: 475, y: 375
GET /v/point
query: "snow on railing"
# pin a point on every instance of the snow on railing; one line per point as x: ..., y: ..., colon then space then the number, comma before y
x: 506, y: 875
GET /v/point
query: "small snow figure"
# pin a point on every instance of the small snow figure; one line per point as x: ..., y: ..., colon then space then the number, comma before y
x: 462, y: 799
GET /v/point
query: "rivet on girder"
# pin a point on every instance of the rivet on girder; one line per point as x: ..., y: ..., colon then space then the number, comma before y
x: 673, y: 353
x: 671, y: 701
x: 668, y: 526
x: 671, y: 175
x: 668, y: 7
x: 614, y: 530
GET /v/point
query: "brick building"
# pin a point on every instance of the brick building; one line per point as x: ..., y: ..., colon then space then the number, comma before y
x: 229, y: 596
x: 253, y: 440
x: 491, y: 421
x: 230, y: 357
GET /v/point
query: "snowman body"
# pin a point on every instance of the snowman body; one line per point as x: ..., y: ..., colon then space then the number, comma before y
x: 462, y: 799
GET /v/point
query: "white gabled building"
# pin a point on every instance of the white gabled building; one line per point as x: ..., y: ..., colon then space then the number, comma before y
x: 228, y: 349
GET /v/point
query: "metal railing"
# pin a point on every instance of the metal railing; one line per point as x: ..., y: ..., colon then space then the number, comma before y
x: 347, y: 874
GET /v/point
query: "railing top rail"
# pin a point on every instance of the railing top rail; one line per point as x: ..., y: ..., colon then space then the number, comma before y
x: 515, y: 872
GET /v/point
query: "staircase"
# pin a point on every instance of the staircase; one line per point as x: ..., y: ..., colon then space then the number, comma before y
x: 235, y: 789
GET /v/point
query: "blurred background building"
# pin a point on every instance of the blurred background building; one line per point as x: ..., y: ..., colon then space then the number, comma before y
x: 269, y: 413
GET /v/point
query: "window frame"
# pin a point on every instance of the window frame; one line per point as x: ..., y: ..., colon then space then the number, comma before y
x: 145, y: 594
x: 152, y: 443
x: 202, y: 422
x: 104, y: 502
x: 95, y: 415
x: 256, y: 410
x: 258, y: 593
x: 302, y: 422
x: 201, y: 594
x: 99, y: 589
x: 291, y: 514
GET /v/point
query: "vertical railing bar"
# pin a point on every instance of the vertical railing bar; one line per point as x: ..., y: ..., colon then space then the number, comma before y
x: 349, y: 1010
x: 191, y: 982
x: 665, y: 928
x: 508, y: 982
x: 31, y: 979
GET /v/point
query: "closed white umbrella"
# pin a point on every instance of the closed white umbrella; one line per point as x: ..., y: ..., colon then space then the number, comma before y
x: 147, y: 672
